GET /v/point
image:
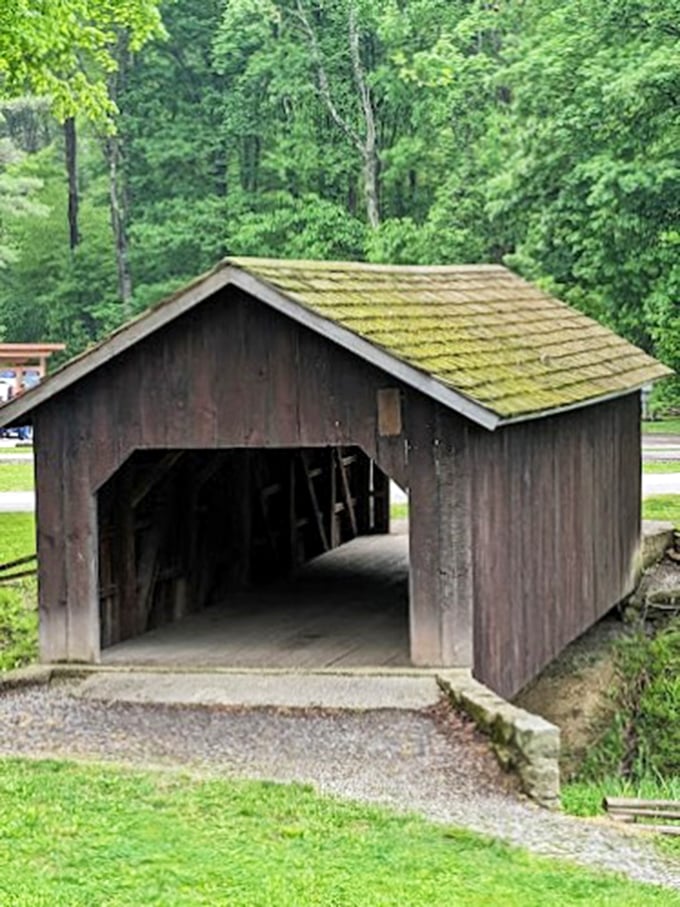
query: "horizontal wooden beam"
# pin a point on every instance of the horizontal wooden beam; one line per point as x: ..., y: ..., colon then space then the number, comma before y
x: 13, y: 576
x: 34, y: 350
x: 639, y: 803
x: 10, y: 565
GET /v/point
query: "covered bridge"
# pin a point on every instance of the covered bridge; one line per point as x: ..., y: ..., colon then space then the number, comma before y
x: 250, y: 423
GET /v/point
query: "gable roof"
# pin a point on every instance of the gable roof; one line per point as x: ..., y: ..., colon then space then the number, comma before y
x: 477, y: 338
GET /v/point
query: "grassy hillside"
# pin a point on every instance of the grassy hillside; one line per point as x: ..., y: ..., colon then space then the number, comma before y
x: 124, y: 838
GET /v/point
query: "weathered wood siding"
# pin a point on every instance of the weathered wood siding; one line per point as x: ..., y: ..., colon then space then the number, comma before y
x: 441, y: 550
x: 556, y: 526
x: 232, y: 373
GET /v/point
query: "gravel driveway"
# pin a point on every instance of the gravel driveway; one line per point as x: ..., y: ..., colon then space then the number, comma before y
x: 430, y: 762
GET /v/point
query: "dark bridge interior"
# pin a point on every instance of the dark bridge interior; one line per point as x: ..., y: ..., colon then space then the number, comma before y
x: 181, y: 530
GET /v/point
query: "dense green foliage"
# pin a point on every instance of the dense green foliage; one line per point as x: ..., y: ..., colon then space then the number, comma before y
x: 124, y: 838
x: 658, y: 704
x: 543, y: 134
x: 65, y: 51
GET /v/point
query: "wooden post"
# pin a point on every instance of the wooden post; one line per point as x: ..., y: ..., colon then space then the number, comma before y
x: 381, y: 501
x: 333, y: 516
x: 236, y: 521
x: 440, y: 543
x: 80, y: 529
x: 314, y: 501
x: 292, y: 514
x: 347, y: 493
x: 125, y: 570
x: 67, y: 543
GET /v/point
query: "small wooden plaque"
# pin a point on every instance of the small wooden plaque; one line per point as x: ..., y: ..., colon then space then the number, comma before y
x: 389, y: 412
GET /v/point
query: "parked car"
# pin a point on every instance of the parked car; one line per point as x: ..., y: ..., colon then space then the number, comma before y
x: 21, y: 433
x: 30, y: 378
x: 6, y: 389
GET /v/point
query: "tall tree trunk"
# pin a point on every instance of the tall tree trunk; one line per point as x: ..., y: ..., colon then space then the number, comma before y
x: 71, y: 153
x: 118, y: 223
x: 369, y: 146
x: 113, y: 148
x: 365, y: 140
x: 372, y: 186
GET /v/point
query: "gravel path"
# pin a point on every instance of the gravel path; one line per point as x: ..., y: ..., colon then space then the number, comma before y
x: 430, y: 762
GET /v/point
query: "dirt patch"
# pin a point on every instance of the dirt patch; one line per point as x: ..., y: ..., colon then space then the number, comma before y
x: 574, y: 691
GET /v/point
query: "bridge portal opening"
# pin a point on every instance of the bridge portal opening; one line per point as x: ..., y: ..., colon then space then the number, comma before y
x: 278, y: 558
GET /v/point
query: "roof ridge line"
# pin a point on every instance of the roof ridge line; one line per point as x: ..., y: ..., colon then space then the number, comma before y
x: 242, y: 263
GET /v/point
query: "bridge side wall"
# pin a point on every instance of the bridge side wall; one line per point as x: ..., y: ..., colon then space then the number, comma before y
x: 556, y: 529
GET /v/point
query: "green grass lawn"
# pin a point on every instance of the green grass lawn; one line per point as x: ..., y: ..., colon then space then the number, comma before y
x: 18, y: 626
x: 84, y: 836
x: 662, y: 427
x: 16, y: 477
x: 17, y: 536
x: 18, y: 614
x: 662, y: 507
x: 661, y: 466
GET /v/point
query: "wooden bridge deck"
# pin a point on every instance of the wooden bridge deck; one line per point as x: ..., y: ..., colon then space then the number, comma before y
x: 347, y: 608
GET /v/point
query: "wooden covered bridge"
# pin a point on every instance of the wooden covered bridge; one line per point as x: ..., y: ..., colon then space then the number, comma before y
x: 251, y: 422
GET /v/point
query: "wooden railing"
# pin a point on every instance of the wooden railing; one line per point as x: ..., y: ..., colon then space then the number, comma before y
x: 649, y: 813
x: 8, y: 572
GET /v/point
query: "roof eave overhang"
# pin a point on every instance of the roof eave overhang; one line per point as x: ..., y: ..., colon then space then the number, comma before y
x: 591, y: 401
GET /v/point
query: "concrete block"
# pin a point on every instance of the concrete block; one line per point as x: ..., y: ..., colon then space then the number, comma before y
x: 524, y: 743
x: 657, y: 536
x: 34, y: 675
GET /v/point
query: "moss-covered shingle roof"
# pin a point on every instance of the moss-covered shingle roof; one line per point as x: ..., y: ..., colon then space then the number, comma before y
x: 476, y: 338
x: 478, y: 329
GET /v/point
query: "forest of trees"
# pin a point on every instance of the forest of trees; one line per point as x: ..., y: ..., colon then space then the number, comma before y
x: 544, y: 134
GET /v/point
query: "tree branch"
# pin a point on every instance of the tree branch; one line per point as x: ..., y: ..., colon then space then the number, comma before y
x: 360, y: 80
x: 370, y: 145
x: 322, y: 78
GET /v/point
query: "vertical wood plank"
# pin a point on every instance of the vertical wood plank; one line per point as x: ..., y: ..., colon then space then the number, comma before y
x: 454, y: 573
x: 80, y: 528
x: 439, y: 532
